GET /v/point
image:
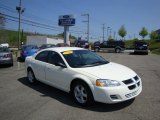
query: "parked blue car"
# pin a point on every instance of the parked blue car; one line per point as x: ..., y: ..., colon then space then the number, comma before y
x: 28, y: 50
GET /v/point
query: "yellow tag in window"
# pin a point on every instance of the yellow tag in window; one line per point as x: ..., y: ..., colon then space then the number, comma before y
x: 67, y: 52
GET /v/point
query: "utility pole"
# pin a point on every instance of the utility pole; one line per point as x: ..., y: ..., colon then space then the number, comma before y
x: 20, y: 11
x: 114, y: 36
x: 103, y: 28
x: 87, y: 25
x: 108, y: 28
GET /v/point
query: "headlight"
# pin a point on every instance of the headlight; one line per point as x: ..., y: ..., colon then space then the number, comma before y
x: 107, y: 83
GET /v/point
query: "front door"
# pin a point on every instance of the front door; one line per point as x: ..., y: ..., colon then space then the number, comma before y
x: 57, y: 76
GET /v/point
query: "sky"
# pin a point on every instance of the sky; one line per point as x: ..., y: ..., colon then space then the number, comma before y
x: 133, y: 14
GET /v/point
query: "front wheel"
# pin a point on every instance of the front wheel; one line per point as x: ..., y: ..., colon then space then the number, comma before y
x: 82, y: 94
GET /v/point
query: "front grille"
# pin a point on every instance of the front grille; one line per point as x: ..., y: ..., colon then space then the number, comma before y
x: 132, y: 83
x: 132, y: 87
x: 138, y: 83
x: 136, y: 78
x: 129, y: 81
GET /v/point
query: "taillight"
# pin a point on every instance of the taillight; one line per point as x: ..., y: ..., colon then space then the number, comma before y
x: 23, y: 52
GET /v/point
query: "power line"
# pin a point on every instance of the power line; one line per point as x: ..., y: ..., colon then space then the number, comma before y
x: 30, y: 24
x: 5, y: 7
x: 40, y: 24
x: 8, y: 9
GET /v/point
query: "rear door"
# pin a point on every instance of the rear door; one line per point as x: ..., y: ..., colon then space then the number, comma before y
x: 104, y: 45
x: 39, y: 66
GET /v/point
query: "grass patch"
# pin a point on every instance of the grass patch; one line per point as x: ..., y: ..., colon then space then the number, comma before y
x: 156, y: 51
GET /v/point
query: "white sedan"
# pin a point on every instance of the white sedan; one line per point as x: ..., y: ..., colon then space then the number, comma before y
x: 83, y: 73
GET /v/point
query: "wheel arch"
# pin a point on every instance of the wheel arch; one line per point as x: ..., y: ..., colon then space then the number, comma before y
x: 84, y: 81
x: 87, y: 82
x: 118, y: 47
x: 97, y: 47
x: 29, y: 68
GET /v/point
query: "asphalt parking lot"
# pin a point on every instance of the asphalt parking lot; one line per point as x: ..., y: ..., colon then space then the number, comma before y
x: 21, y: 101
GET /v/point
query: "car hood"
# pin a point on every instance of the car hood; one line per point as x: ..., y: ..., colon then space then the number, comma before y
x: 112, y: 71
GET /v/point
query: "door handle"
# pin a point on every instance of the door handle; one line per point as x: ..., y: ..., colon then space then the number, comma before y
x: 48, y: 68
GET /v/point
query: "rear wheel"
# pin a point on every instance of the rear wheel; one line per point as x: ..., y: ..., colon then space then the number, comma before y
x: 31, y: 77
x: 117, y: 50
x: 82, y: 94
x: 96, y: 49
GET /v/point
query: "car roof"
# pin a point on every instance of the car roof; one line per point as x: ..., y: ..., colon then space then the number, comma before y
x: 62, y: 49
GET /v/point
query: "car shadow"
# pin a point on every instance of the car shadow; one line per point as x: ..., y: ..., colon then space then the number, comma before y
x: 66, y: 98
x: 19, y: 59
x: 138, y: 53
x: 5, y: 66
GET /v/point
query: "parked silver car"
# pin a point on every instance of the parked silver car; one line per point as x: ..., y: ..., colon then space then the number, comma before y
x: 6, y: 56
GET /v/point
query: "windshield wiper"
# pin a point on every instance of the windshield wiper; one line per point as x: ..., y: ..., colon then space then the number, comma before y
x: 82, y: 65
x: 99, y: 62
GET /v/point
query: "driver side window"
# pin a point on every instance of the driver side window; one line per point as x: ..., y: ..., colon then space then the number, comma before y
x: 54, y: 58
x: 105, y: 43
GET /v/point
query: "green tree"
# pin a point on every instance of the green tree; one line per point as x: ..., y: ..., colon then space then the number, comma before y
x: 110, y: 38
x: 3, y: 35
x: 153, y: 35
x: 122, y: 32
x: 143, y: 33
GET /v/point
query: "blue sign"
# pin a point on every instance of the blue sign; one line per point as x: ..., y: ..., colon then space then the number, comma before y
x: 66, y: 22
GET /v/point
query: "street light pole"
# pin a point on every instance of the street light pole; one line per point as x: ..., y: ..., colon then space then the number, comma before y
x: 20, y: 11
x: 18, y: 8
x: 87, y: 25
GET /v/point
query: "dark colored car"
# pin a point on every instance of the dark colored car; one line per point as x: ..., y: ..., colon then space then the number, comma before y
x: 28, y: 50
x: 141, y: 47
x: 6, y: 56
x: 116, y: 46
x: 82, y: 44
x: 44, y: 46
x: 62, y: 45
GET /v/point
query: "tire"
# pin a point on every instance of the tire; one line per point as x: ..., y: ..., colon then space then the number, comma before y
x: 96, y: 49
x: 82, y: 94
x: 31, y: 76
x: 11, y: 64
x: 117, y: 50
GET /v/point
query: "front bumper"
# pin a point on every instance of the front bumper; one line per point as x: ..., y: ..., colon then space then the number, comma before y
x: 142, y: 51
x: 115, y: 94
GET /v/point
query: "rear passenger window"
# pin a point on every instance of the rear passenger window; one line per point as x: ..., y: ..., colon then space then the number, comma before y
x: 42, y: 56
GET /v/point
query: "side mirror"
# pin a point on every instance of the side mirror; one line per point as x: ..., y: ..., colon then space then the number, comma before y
x: 60, y: 64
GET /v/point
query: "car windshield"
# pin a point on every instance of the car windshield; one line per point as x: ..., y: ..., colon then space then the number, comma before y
x: 47, y: 46
x: 83, y: 42
x: 29, y: 47
x: 83, y: 58
x: 4, y: 49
